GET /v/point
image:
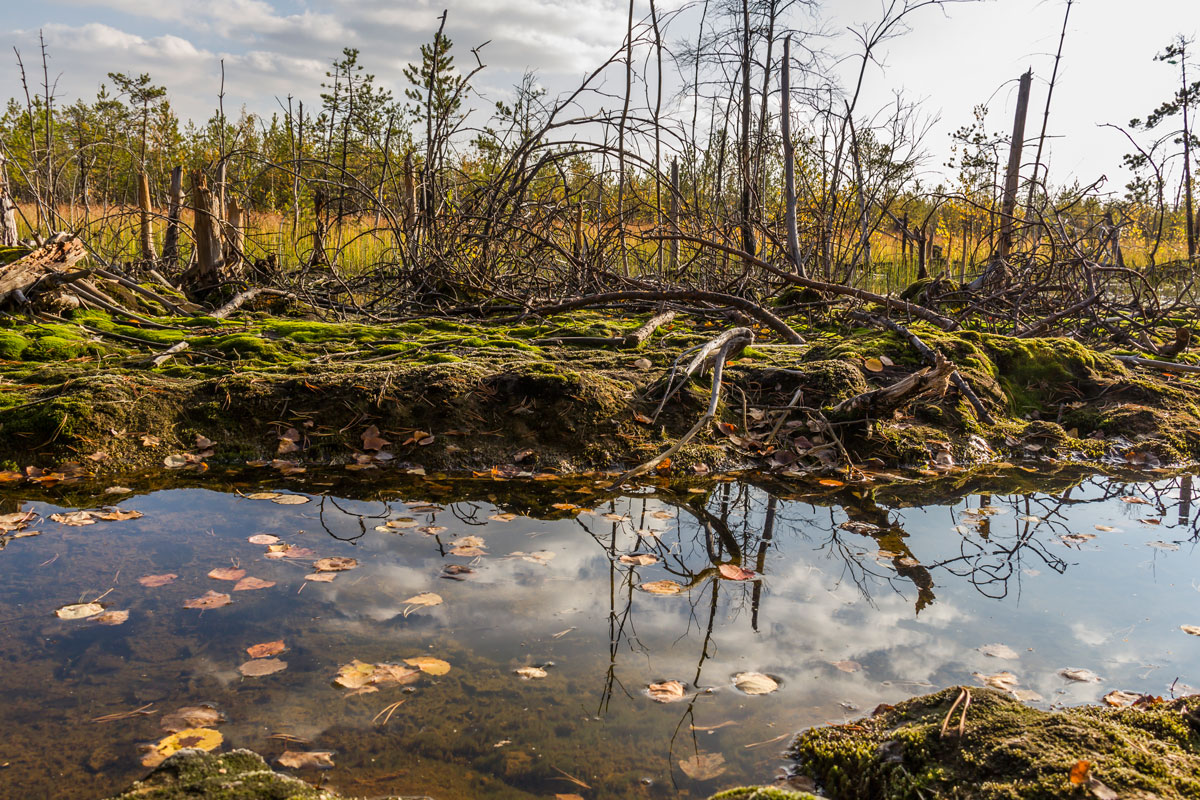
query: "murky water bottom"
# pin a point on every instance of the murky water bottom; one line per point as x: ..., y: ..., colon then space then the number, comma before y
x: 855, y: 601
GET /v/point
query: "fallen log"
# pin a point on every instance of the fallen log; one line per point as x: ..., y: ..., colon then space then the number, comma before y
x: 730, y: 342
x: 881, y: 402
x: 26, y: 272
x: 631, y: 341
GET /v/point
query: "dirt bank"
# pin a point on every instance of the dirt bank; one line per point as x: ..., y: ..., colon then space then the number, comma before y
x: 522, y: 396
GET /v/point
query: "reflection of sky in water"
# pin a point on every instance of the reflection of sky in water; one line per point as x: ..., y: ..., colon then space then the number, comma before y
x: 835, y: 617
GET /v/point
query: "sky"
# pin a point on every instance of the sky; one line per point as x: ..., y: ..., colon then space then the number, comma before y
x: 952, y: 58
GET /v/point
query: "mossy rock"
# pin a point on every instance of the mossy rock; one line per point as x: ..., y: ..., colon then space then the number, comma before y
x: 1007, y: 751
x: 761, y: 793
x: 237, y: 775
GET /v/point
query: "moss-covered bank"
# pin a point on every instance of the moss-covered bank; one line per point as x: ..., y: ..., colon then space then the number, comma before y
x: 83, y: 390
x: 236, y: 775
x: 1007, y: 751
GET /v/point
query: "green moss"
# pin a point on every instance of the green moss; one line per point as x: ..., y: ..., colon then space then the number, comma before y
x: 1008, y: 751
x: 12, y: 345
x: 238, y: 775
x: 11, y: 254
x: 761, y: 793
x: 439, y: 358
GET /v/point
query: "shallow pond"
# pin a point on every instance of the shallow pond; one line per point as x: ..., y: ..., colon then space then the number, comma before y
x: 858, y: 597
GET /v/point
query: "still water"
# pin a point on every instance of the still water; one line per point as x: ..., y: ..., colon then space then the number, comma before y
x: 859, y: 595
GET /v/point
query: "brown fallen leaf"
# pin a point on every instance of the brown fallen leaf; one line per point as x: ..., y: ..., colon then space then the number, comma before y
x: 78, y: 611
x: 1004, y: 681
x: 755, y: 683
x: 157, y: 580
x: 191, y: 717
x: 227, y: 574
x: 873, y: 365
x: 1001, y: 651
x: 117, y: 515
x: 1119, y: 699
x: 198, y: 738
x: 290, y: 499
x: 262, y: 666
x: 209, y: 599
x: 1079, y: 675
x: 313, y: 759
x: 250, y: 583
x: 263, y: 538
x: 111, y: 617
x: 502, y: 517
x: 429, y: 665
x: 661, y: 587
x: 639, y: 559
x: 321, y: 577
x: 467, y: 552
x: 372, y: 441
x: 528, y: 673
x: 1194, y: 630
x: 74, y: 519
x: 1079, y: 772
x: 266, y: 649
x: 732, y: 572
x: 425, y: 599
x: 666, y: 691
x: 703, y: 766
x: 847, y: 666
x: 335, y: 564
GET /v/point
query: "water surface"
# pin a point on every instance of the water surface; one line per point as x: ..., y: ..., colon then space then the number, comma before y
x: 858, y: 598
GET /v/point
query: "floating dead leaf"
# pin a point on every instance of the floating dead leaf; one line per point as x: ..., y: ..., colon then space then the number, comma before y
x: 1135, y: 501
x: 425, y: 599
x: 209, y: 599
x: 467, y: 551
x: 117, y: 515
x: 290, y: 499
x: 263, y: 495
x: 999, y: 651
x: 453, y: 571
x: 469, y: 541
x: 74, y: 519
x: 429, y: 665
x: 755, y: 683
x: 112, y: 617
x: 227, y: 574
x: 196, y: 738
x: 372, y: 441
x: 830, y: 482
x: 703, y: 766
x: 78, y: 611
x: 528, y: 673
x: 157, y: 580
x: 1004, y: 681
x: 639, y: 559
x: 1194, y: 630
x: 732, y: 572
x: 250, y: 583
x: 191, y: 717
x: 1076, y: 538
x: 873, y: 365
x: 661, y: 587
x: 16, y: 520
x: 359, y: 675
x: 666, y: 691
x: 263, y: 538
x: 180, y: 460
x: 321, y: 577
x: 543, y: 557
x: 262, y: 666
x: 432, y: 530
x: 565, y: 506
x: 847, y: 665
x: 266, y: 649
x: 1104, y: 528
x: 1170, y: 546
x: 334, y: 564
x: 502, y: 517
x: 662, y: 514
x: 1119, y: 699
x: 402, y: 522
x: 1027, y: 696
x: 312, y: 759
x: 1079, y: 674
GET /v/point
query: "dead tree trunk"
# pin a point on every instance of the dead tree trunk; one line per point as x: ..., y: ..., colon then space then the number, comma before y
x: 674, y: 213
x: 8, y: 210
x: 144, y: 211
x: 171, y: 239
x: 205, y: 272
x: 789, y: 167
x: 1012, y: 176
x: 318, y: 253
x: 235, y: 233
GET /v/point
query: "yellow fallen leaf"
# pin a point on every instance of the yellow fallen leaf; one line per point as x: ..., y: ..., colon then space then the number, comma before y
x: 429, y: 664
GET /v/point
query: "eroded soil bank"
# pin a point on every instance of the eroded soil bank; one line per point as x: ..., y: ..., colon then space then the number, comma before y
x: 471, y: 395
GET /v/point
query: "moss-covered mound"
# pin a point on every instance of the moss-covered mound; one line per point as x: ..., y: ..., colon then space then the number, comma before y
x: 1007, y: 751
x: 237, y: 775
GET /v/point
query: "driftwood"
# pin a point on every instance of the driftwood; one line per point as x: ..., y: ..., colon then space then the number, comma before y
x: 881, y: 402
x: 21, y: 276
x: 631, y: 341
x: 1162, y: 366
x: 726, y: 345
x: 932, y: 358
